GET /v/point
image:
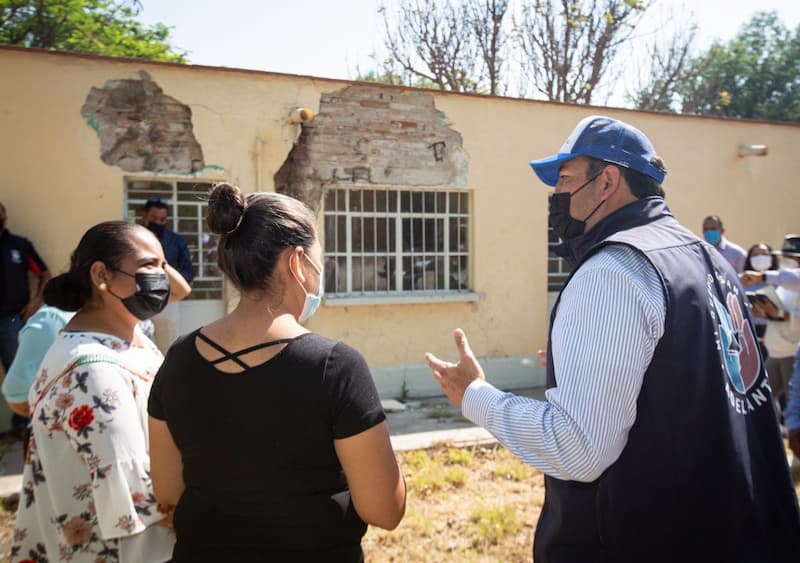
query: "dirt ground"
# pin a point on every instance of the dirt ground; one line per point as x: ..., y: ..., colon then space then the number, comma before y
x: 472, y: 505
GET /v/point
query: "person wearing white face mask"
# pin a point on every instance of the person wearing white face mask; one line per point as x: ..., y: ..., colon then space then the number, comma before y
x: 783, y: 330
x: 760, y: 258
x: 270, y: 440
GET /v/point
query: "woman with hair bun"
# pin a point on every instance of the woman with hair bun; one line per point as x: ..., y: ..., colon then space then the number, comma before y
x: 86, y: 489
x: 270, y: 439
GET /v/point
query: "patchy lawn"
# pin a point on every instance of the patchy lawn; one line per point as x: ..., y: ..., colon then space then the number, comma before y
x: 475, y: 504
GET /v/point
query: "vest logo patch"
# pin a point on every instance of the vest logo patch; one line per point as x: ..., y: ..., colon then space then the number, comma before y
x: 738, y: 349
x: 16, y: 256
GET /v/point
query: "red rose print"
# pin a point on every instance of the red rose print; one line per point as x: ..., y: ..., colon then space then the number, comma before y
x: 81, y: 417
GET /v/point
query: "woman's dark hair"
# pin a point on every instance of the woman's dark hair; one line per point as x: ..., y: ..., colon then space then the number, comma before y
x: 641, y: 185
x: 255, y: 230
x: 749, y: 266
x: 107, y: 242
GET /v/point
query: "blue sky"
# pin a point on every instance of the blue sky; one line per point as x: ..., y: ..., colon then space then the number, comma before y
x: 334, y: 38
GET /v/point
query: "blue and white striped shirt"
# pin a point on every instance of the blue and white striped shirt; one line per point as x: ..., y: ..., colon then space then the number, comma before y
x: 610, y: 317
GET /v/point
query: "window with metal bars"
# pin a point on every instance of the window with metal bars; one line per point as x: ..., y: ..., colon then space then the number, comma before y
x: 389, y: 241
x: 187, y: 203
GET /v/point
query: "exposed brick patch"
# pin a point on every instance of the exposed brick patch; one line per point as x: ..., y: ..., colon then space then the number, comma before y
x: 373, y: 135
x: 141, y: 128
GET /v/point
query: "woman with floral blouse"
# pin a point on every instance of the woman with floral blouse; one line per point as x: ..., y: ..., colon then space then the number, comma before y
x: 86, y: 491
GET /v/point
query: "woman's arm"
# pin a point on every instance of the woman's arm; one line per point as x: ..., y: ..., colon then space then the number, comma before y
x: 179, y: 288
x: 377, y: 487
x: 166, y: 464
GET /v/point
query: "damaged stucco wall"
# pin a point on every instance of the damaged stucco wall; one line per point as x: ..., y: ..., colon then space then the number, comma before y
x: 367, y: 134
x: 141, y: 129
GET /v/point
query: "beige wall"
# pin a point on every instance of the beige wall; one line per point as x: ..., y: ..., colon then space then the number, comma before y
x: 55, y: 185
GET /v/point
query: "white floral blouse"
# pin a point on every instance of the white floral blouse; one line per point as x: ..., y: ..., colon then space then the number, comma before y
x: 86, y: 489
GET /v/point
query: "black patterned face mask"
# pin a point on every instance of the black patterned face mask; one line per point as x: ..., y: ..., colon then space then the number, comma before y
x: 152, y: 295
x: 558, y: 217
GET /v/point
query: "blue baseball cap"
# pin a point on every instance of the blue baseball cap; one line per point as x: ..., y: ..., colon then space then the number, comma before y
x: 604, y: 138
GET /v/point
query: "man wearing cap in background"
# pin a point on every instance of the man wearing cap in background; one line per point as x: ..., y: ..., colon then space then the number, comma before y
x: 658, y: 438
x: 714, y: 233
x: 176, y: 252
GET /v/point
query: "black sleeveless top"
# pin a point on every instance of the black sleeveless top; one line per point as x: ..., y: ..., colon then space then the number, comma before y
x: 263, y: 482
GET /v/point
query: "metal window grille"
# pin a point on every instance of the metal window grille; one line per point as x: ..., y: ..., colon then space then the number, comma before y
x: 558, y: 269
x: 187, y: 201
x: 388, y: 241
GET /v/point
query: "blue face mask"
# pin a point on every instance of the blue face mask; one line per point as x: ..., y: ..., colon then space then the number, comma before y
x: 312, y: 301
x: 712, y: 236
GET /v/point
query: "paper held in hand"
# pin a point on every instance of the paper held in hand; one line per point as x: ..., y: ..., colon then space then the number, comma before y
x: 767, y: 295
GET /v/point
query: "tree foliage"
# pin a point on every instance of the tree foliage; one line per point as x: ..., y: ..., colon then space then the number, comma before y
x: 568, y: 45
x: 754, y: 75
x: 102, y: 27
x: 455, y: 46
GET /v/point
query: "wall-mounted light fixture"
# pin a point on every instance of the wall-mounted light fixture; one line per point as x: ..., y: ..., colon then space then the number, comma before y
x: 752, y: 150
x: 301, y: 115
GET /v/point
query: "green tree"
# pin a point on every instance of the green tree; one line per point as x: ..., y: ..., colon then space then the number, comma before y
x: 102, y: 27
x: 754, y: 75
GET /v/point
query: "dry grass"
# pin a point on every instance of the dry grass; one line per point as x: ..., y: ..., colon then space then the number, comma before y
x: 464, y: 504
x: 471, y: 505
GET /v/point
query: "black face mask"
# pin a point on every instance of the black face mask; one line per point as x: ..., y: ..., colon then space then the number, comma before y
x: 2, y: 225
x: 152, y: 295
x: 157, y: 229
x: 562, y: 223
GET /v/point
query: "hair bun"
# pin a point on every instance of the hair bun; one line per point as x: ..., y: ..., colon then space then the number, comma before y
x: 65, y: 292
x: 226, y: 207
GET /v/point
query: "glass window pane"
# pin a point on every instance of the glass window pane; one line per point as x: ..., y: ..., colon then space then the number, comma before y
x: 369, y: 273
x: 330, y: 200
x: 391, y: 229
x: 430, y: 235
x: 441, y: 202
x: 369, y: 234
x: 392, y: 200
x: 355, y: 200
x: 382, y: 235
x: 464, y: 209
x: 453, y: 233
x: 357, y: 273
x: 429, y: 202
x: 369, y: 200
x: 341, y: 274
x: 416, y: 202
x: 330, y: 233
x: 391, y: 279
x: 463, y: 235
x: 439, y: 235
x: 380, y: 201
x: 407, y: 234
x: 408, y: 274
x: 355, y: 226
x: 341, y: 233
x: 453, y: 202
x: 405, y: 202
x: 459, y: 276
x: 340, y: 200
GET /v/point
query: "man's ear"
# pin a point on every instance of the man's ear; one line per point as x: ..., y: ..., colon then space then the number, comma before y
x: 611, y: 178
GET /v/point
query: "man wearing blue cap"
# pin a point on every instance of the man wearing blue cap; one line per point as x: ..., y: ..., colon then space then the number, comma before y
x: 658, y: 437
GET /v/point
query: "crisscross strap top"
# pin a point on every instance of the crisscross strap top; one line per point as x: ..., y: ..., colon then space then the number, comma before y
x: 234, y: 356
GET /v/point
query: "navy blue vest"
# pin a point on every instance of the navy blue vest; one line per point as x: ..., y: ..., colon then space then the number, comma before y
x: 703, y: 476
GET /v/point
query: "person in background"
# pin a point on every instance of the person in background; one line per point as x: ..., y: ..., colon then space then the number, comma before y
x: 760, y: 258
x: 86, y: 489
x: 713, y: 233
x: 657, y: 438
x: 155, y: 214
x: 18, y: 259
x: 270, y: 439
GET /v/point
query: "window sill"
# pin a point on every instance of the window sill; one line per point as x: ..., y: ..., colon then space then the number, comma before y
x: 402, y: 299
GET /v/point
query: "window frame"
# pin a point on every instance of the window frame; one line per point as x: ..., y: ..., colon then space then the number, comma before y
x: 396, y: 253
